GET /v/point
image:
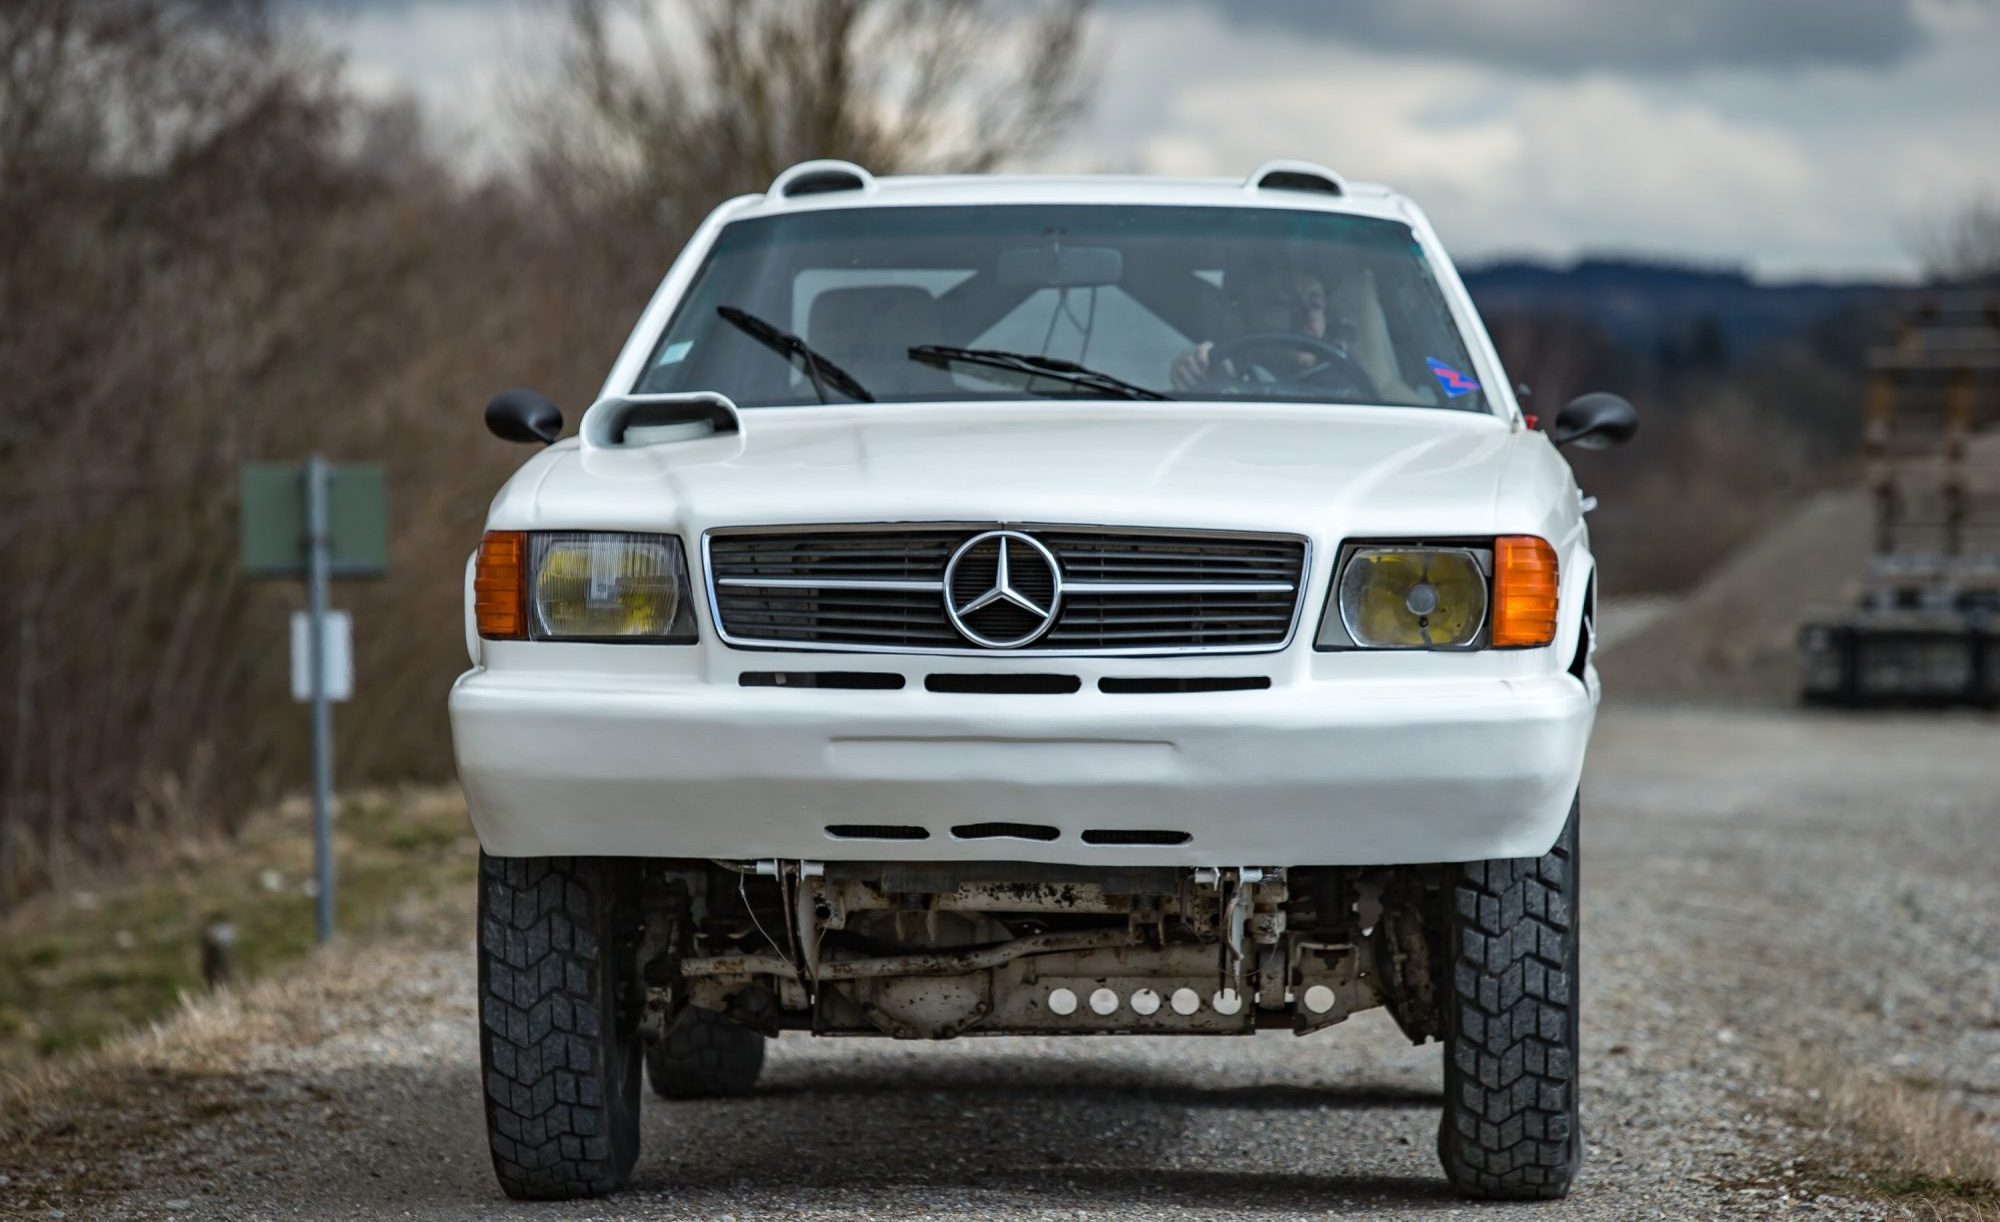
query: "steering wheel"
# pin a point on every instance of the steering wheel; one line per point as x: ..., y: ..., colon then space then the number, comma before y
x: 1336, y: 365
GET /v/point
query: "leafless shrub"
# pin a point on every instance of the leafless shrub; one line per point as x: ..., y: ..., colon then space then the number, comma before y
x: 726, y: 93
x: 1722, y: 450
x: 1963, y: 244
x: 213, y: 254
x: 1706, y: 485
x: 151, y: 156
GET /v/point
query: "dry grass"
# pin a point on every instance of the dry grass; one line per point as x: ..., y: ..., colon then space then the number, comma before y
x: 82, y: 1116
x: 1918, y: 1149
x: 204, y: 1038
x: 85, y: 964
x: 80, y: 1125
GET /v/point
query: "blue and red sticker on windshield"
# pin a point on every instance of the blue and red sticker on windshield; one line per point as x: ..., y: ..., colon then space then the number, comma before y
x: 1454, y: 382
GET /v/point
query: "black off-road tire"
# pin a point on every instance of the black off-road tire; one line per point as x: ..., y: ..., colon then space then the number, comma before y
x: 559, y: 1045
x: 706, y: 1056
x: 1510, y: 993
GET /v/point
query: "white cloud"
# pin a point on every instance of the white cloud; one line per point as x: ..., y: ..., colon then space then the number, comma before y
x: 1821, y: 165
x: 1581, y: 36
x: 1818, y: 171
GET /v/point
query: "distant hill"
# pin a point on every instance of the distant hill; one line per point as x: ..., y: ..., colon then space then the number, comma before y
x: 1646, y: 304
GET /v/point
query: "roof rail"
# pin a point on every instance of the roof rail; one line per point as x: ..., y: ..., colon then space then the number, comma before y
x: 1295, y: 176
x: 819, y: 178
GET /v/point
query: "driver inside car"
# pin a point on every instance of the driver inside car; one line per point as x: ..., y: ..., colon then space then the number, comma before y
x: 1277, y: 301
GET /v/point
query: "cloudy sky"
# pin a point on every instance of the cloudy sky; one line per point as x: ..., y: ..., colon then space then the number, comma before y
x: 1799, y: 137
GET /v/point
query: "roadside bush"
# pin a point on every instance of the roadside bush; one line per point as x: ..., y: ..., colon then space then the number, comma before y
x: 213, y: 252
x: 1722, y: 450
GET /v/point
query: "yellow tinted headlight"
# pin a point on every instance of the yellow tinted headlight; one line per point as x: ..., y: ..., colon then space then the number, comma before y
x: 610, y: 587
x: 1412, y: 598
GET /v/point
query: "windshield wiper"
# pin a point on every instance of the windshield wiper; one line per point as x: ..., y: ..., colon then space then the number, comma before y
x: 816, y: 367
x: 943, y: 355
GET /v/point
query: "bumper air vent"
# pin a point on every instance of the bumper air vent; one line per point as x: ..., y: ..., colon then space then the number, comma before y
x: 1146, y: 839
x: 1004, y: 684
x: 850, y: 680
x: 876, y: 831
x: 1156, y: 685
x: 1004, y: 831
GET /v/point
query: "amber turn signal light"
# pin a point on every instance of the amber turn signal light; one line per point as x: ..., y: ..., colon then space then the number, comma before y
x: 499, y: 586
x: 1524, y: 592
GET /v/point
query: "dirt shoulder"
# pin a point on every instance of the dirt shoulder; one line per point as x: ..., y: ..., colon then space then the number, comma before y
x: 86, y: 963
x: 1793, y: 1002
x: 1818, y: 888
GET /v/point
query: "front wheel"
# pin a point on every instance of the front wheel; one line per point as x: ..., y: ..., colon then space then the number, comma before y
x: 559, y: 1044
x: 1510, y: 993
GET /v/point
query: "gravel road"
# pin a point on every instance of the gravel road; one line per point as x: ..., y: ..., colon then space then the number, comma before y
x: 1780, y: 910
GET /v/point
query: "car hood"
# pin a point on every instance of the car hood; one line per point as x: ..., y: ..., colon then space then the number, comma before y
x: 1219, y: 466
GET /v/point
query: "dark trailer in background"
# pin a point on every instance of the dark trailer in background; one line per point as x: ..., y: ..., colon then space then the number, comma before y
x: 1927, y: 628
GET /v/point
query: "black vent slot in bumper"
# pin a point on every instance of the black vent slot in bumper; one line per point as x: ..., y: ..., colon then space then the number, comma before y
x: 876, y: 831
x: 1160, y: 685
x: 1004, y: 684
x: 1004, y: 831
x: 1149, y: 839
x: 849, y: 680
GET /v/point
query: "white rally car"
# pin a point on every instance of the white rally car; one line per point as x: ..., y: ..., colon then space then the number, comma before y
x: 1033, y: 605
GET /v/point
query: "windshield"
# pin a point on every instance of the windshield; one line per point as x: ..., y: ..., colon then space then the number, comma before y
x: 1058, y: 301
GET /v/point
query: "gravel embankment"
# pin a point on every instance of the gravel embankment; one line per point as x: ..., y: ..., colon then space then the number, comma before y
x: 1735, y: 635
x: 1766, y: 895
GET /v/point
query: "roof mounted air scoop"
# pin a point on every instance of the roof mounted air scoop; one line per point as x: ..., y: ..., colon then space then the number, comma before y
x: 820, y: 178
x: 1295, y: 176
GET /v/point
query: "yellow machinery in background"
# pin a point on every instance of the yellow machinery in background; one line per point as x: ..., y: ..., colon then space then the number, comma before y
x: 1927, y: 629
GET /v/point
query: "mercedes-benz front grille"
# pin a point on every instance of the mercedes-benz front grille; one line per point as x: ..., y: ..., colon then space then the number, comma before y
x: 1053, y: 589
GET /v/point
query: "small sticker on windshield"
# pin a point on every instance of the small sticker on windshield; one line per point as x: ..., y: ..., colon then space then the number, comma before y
x: 673, y: 354
x: 1454, y: 382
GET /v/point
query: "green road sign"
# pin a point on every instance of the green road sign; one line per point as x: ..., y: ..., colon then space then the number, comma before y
x: 273, y: 515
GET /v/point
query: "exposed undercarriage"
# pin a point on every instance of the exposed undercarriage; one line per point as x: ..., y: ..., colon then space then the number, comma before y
x: 936, y: 950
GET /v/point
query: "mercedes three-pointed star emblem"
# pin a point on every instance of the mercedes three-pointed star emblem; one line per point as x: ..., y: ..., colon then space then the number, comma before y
x: 1021, y: 561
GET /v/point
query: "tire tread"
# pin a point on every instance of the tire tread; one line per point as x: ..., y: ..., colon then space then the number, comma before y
x: 554, y: 1063
x: 1510, y: 1128
x: 706, y: 1056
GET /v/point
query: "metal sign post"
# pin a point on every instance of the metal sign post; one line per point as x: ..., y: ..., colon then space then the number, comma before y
x: 321, y: 522
x: 319, y: 571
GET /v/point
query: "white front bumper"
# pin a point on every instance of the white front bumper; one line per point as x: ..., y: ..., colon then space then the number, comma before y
x: 1354, y: 772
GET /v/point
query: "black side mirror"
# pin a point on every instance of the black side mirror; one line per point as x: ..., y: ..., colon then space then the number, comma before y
x: 1595, y: 422
x: 525, y: 416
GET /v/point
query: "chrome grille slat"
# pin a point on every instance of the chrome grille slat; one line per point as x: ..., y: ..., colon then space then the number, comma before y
x: 1131, y: 589
x: 842, y: 582
x: 1121, y: 623
x: 1190, y: 610
x: 1198, y: 636
x: 1158, y: 573
x: 881, y: 589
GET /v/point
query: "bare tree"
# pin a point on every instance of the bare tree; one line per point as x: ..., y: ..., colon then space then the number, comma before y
x: 210, y: 251
x: 671, y: 106
x: 1963, y: 244
x: 155, y: 158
